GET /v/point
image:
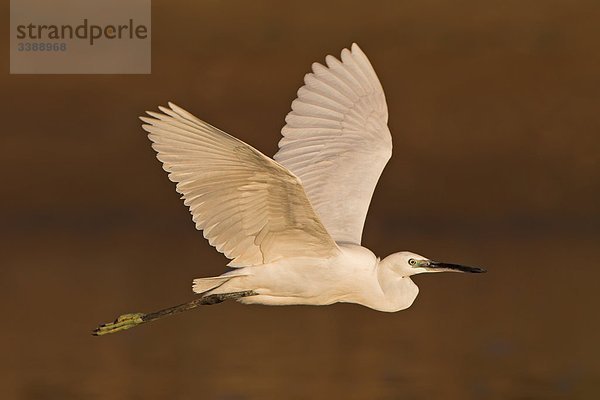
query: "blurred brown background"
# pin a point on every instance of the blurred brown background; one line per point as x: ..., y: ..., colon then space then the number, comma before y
x: 494, y: 109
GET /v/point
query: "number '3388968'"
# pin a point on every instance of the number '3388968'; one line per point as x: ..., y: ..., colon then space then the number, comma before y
x: 27, y: 46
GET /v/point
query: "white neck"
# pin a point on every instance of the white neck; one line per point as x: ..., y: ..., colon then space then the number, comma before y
x: 399, y: 290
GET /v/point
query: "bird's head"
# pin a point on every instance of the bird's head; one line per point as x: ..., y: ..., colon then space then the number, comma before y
x: 408, y: 264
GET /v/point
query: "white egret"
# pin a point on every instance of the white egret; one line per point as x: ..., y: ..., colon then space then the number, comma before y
x: 292, y: 225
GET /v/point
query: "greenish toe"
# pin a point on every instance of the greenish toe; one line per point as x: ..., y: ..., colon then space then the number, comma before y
x: 123, y: 322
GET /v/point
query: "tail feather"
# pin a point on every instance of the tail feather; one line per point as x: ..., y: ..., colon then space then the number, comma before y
x: 202, y: 285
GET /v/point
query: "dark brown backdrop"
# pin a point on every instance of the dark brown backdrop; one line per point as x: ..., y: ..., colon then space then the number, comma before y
x: 494, y: 112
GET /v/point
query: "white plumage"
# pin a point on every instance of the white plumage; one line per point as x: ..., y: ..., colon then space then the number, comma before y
x: 337, y: 142
x: 292, y: 226
x: 249, y: 207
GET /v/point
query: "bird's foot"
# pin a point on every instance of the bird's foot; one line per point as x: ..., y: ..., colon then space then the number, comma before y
x: 123, y: 322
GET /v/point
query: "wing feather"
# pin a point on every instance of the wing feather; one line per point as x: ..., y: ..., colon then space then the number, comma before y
x: 250, y: 208
x: 336, y: 140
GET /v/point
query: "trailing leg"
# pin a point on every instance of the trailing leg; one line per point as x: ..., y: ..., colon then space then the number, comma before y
x: 127, y: 321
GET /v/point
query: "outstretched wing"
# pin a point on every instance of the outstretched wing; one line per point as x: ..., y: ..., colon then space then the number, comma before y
x: 336, y: 140
x: 250, y: 208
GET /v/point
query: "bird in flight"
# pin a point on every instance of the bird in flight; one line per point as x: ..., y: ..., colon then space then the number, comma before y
x: 291, y: 225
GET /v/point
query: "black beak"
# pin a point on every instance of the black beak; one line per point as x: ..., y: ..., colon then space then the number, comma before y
x: 455, y: 267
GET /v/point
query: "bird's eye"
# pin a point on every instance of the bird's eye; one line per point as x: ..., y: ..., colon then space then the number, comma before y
x: 412, y: 262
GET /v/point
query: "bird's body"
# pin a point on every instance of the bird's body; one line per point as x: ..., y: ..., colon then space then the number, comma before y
x: 292, y: 225
x: 355, y: 275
